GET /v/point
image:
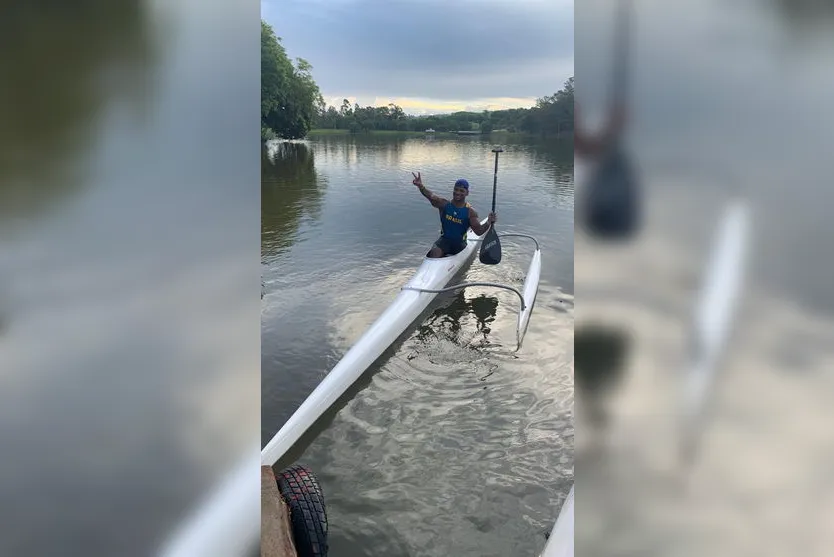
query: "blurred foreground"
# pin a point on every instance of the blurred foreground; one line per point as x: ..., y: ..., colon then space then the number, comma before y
x: 726, y: 104
x: 129, y: 242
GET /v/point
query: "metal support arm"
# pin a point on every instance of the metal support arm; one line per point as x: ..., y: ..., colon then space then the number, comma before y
x: 514, y: 235
x: 465, y: 284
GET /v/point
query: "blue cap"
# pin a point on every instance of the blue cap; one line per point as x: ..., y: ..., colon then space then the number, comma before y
x: 461, y: 183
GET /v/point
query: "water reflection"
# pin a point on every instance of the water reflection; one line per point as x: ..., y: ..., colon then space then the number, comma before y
x: 56, y: 89
x: 446, y: 321
x: 291, y: 190
x: 348, y: 150
x: 600, y: 359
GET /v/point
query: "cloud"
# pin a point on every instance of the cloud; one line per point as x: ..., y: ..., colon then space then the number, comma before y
x: 444, y: 51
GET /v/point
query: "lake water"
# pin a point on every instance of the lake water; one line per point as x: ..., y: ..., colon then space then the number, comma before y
x: 452, y: 444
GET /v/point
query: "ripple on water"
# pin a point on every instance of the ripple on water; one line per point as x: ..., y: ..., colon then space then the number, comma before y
x: 441, y: 441
x: 359, y: 535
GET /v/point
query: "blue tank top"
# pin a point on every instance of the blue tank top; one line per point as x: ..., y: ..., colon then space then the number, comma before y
x: 454, y: 221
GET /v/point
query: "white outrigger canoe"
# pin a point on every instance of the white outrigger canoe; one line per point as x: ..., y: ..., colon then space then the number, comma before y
x: 560, y: 541
x: 227, y: 523
x: 432, y: 278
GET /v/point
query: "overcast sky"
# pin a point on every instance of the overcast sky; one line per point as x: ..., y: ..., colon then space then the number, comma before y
x: 431, y: 55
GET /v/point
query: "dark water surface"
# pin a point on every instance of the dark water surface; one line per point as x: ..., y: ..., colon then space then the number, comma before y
x: 452, y: 444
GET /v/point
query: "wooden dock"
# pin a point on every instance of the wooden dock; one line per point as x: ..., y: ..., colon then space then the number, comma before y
x: 276, y: 532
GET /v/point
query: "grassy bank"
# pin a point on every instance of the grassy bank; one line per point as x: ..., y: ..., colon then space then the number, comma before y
x: 371, y: 132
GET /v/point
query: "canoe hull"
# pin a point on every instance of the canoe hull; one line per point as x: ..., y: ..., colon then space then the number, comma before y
x: 406, y: 307
x: 560, y: 542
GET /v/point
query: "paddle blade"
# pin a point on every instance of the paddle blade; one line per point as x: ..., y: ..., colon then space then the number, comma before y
x: 490, y: 248
x: 612, y: 205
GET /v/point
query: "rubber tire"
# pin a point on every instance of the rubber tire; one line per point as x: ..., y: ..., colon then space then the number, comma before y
x: 301, y: 491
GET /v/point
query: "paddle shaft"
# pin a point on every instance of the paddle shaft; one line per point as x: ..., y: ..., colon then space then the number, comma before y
x: 495, y: 177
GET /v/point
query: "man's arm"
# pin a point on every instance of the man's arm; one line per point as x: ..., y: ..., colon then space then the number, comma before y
x: 475, y: 222
x: 435, y: 200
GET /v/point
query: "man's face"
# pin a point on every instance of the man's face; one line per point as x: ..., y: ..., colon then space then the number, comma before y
x: 459, y: 194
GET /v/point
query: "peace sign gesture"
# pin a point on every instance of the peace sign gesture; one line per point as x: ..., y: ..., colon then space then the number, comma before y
x: 417, y: 181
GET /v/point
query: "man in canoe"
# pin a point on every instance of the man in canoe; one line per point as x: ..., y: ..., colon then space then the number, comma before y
x: 456, y: 218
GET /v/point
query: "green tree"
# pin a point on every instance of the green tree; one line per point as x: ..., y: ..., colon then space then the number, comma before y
x: 552, y: 114
x: 346, y: 111
x: 290, y: 98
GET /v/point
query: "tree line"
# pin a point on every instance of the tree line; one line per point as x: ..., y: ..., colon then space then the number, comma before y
x: 552, y: 115
x: 292, y: 105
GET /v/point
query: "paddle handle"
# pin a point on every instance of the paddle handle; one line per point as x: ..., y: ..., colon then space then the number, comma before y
x: 495, y: 176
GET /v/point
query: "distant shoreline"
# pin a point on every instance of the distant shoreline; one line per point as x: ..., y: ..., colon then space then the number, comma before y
x: 327, y: 131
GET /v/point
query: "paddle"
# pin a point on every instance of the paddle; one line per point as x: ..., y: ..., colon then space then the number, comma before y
x: 612, y: 197
x: 491, y: 246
